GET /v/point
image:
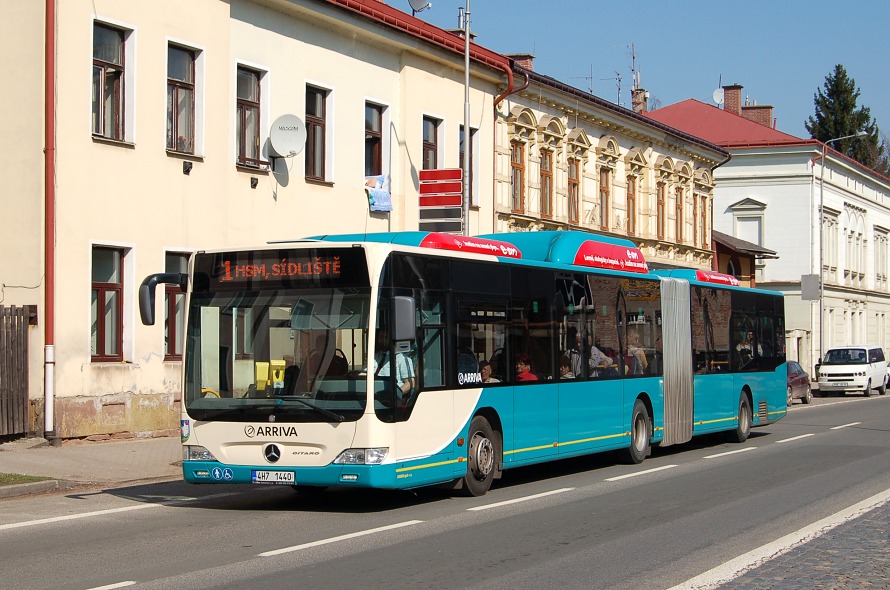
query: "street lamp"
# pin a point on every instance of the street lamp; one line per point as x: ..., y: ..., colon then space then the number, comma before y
x: 822, y: 239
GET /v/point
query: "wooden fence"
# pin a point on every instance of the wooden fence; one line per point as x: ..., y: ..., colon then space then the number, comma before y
x: 13, y: 370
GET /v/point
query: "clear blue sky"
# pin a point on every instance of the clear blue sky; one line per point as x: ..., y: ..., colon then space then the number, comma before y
x: 780, y: 51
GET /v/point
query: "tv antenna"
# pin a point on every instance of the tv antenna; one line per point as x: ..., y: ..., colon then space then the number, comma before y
x: 419, y: 6
x: 588, y: 78
x: 617, y: 79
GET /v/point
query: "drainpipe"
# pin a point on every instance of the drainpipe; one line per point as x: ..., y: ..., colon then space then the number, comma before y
x: 49, y: 237
x: 498, y: 100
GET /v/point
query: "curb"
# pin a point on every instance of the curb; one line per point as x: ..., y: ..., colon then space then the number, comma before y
x: 34, y: 487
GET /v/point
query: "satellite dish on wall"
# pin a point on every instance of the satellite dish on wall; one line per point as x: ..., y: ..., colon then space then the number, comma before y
x: 419, y: 5
x: 287, y: 138
x: 718, y: 96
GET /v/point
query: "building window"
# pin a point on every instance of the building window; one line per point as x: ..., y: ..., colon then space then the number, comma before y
x: 517, y: 176
x: 472, y: 163
x: 106, y: 304
x: 248, y: 117
x: 430, y: 158
x: 546, y: 183
x: 316, y: 131
x: 881, y: 249
x: 678, y: 219
x: 631, y: 205
x: 696, y: 232
x: 605, y: 174
x: 659, y: 210
x: 373, y: 139
x: 108, y: 82
x: 574, y: 189
x: 174, y: 308
x: 180, y: 100
x: 703, y: 223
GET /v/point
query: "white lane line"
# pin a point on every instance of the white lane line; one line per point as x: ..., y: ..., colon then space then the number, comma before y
x: 170, y: 501
x: 640, y: 473
x: 112, y: 586
x: 845, y: 425
x: 735, y: 452
x: 523, y: 499
x: 340, y: 538
x: 16, y: 525
x: 734, y: 568
x: 784, y: 440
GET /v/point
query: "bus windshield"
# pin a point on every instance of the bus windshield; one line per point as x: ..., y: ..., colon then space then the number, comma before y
x: 282, y: 351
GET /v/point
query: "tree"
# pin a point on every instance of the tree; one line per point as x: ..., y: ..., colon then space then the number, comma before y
x: 838, y: 115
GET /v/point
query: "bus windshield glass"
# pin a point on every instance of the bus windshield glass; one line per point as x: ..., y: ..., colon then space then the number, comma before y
x: 278, y: 335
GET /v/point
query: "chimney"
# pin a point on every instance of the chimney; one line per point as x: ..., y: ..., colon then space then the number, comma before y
x: 523, y: 59
x: 732, y: 99
x: 639, y: 100
x: 759, y: 114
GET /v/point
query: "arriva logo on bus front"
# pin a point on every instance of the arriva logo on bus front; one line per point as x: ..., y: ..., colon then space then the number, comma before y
x: 254, y: 431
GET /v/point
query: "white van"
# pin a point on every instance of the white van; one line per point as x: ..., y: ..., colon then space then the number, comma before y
x: 853, y: 368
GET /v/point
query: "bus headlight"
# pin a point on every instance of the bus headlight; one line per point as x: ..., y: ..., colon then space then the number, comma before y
x: 196, y: 453
x: 362, y: 456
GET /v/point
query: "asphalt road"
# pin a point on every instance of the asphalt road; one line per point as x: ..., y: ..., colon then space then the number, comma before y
x: 582, y: 523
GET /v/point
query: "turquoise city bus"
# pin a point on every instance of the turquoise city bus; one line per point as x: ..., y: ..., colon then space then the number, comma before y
x: 408, y: 359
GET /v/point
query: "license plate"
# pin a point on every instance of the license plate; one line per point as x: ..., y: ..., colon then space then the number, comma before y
x: 272, y: 477
x: 840, y: 384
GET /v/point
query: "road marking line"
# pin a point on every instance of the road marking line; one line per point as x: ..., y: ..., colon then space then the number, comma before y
x: 640, y: 473
x: 745, y: 450
x: 845, y: 425
x: 340, y: 538
x: 16, y: 525
x: 523, y: 499
x: 112, y: 586
x: 784, y: 440
x: 734, y: 568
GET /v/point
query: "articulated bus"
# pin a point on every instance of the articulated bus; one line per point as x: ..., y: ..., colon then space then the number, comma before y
x: 506, y: 349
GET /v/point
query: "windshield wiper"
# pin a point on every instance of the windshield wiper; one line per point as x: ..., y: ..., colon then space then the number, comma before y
x: 214, y: 414
x: 323, y: 411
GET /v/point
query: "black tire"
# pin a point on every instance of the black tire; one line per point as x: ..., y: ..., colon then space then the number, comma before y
x: 883, y: 388
x: 640, y: 435
x: 789, y: 397
x: 483, y: 457
x: 808, y: 396
x: 743, y: 428
x: 867, y: 392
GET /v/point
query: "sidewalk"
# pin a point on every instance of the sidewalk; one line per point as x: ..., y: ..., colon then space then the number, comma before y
x: 107, y: 463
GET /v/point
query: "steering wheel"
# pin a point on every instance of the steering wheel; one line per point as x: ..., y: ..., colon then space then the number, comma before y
x: 206, y: 392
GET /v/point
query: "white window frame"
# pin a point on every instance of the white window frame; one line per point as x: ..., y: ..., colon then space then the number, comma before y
x: 265, y: 107
x: 200, y: 91
x: 128, y: 293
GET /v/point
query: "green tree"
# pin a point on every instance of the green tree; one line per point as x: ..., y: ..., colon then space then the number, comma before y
x: 838, y: 115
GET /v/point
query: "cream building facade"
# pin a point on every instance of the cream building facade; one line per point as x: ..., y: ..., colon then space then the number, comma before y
x: 163, y: 114
x: 567, y: 159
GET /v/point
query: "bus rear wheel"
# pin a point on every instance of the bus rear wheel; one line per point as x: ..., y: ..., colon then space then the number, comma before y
x: 743, y: 429
x: 640, y: 435
x: 483, y: 453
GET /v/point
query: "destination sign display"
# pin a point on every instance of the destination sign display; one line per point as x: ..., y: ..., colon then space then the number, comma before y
x: 263, y: 269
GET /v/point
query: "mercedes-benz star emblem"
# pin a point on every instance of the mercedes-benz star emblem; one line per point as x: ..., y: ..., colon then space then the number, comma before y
x: 272, y: 453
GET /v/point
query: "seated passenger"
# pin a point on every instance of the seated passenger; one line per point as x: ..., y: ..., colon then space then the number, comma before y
x: 524, y: 368
x: 565, y: 368
x: 485, y: 372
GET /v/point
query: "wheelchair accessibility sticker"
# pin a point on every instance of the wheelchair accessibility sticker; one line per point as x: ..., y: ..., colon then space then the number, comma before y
x: 220, y: 474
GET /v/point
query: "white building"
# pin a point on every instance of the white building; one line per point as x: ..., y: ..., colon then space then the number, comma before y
x: 776, y: 191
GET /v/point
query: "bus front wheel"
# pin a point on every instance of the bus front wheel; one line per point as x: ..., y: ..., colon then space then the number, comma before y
x: 482, y: 458
x: 640, y: 433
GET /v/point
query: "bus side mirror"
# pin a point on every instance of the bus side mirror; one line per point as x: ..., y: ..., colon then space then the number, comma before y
x: 404, y: 311
x: 147, y: 292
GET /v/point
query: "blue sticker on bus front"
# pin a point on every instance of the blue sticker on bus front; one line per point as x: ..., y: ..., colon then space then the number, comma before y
x: 228, y: 475
x: 216, y: 473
